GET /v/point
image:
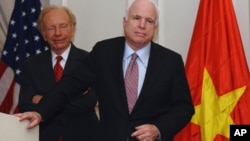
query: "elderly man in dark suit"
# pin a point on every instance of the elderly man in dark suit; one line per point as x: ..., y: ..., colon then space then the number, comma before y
x: 76, y: 120
x: 150, y: 103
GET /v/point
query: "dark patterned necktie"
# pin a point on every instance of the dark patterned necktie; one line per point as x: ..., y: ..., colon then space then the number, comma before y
x: 58, y: 70
x: 131, y: 82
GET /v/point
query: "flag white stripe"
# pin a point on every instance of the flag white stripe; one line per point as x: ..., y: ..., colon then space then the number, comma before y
x: 15, y: 98
x: 5, y: 83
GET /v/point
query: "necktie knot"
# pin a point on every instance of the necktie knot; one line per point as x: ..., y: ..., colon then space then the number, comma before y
x: 134, y: 56
x: 132, y: 63
x: 58, y: 59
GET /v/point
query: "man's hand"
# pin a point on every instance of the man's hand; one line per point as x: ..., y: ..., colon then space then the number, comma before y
x: 36, y: 99
x: 34, y: 118
x: 146, y: 132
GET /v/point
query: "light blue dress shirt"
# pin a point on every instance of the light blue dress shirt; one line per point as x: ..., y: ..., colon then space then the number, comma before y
x: 142, y: 61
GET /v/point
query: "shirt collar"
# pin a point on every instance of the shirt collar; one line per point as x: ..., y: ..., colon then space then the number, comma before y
x: 143, y: 53
x: 64, y: 55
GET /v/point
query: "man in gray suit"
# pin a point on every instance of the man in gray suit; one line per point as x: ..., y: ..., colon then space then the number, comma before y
x: 163, y: 106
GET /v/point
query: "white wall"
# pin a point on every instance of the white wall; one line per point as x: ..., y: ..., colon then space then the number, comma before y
x: 242, y: 10
x: 176, y: 26
x: 99, y: 20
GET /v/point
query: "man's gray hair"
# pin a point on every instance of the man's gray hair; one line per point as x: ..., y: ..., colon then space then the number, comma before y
x: 154, y: 2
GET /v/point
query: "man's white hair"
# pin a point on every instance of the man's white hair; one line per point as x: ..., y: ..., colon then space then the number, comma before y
x: 154, y: 2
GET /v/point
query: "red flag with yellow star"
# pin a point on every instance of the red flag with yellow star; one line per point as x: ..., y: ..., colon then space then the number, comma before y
x: 217, y: 73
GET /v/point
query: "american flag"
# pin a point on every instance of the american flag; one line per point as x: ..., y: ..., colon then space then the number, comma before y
x: 23, y: 40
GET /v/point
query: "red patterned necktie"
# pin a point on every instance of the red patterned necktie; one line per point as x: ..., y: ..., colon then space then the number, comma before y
x: 131, y: 82
x: 58, y: 70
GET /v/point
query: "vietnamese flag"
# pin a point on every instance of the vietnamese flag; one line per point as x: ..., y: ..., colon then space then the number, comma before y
x: 217, y: 73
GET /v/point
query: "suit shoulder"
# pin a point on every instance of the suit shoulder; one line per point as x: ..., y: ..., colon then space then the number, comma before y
x: 77, y: 52
x: 37, y: 57
x: 165, y: 50
x: 81, y: 51
x: 112, y: 40
x: 111, y: 44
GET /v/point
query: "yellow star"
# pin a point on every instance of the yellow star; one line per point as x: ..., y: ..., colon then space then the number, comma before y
x: 213, y: 114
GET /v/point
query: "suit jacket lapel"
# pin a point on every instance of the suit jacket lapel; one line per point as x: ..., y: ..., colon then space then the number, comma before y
x: 150, y: 78
x: 117, y: 60
x: 154, y: 64
x: 70, y: 59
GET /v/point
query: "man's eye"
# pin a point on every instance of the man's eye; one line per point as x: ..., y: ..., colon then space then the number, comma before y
x: 51, y: 28
x: 136, y: 17
x: 151, y: 21
x: 63, y: 26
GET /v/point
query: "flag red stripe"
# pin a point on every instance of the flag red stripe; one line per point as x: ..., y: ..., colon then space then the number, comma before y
x: 9, y: 90
x: 7, y: 103
x: 3, y: 67
x: 6, y: 77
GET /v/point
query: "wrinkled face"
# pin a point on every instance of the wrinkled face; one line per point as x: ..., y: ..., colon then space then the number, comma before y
x: 140, y: 25
x: 58, y: 31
